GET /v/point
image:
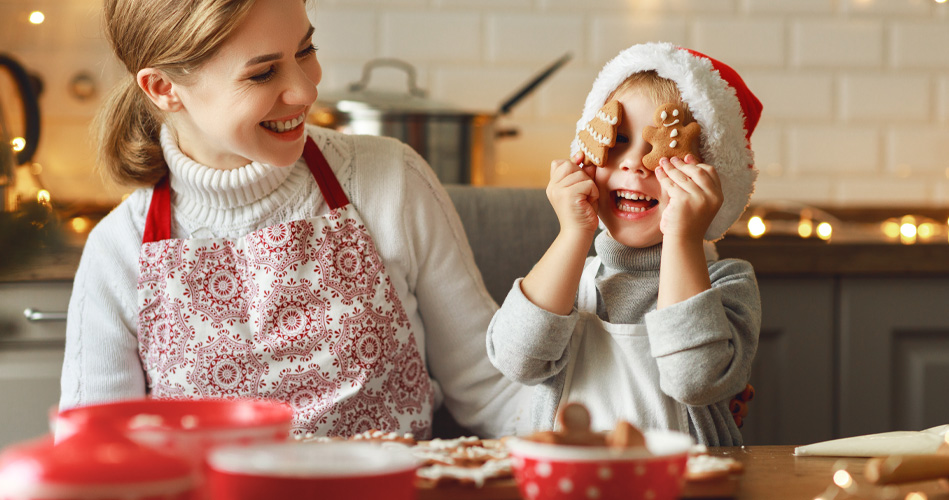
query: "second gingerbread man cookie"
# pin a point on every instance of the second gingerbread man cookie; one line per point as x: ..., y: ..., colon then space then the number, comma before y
x: 670, y: 137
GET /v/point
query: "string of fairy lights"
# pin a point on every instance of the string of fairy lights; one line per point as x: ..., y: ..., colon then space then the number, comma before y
x: 906, y: 229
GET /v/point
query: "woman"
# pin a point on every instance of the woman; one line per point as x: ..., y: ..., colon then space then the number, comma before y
x: 271, y: 258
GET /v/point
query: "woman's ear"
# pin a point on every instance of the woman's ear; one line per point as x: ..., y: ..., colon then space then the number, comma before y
x: 159, y: 89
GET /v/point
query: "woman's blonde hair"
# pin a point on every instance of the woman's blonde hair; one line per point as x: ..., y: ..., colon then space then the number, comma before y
x: 175, y: 36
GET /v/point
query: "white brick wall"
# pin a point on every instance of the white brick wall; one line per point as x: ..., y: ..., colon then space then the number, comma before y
x: 856, y: 92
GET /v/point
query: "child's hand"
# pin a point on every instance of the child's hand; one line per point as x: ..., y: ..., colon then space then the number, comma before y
x: 693, y: 195
x: 573, y: 194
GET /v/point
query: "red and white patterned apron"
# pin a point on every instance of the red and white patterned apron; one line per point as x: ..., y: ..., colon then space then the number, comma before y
x: 302, y: 312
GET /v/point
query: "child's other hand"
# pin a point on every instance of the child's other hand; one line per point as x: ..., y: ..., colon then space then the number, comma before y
x: 573, y: 194
x: 693, y: 195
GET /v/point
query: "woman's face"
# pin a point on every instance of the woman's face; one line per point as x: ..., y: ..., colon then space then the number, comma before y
x: 249, y: 102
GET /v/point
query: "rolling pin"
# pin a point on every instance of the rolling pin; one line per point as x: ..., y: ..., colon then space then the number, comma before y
x: 897, y: 469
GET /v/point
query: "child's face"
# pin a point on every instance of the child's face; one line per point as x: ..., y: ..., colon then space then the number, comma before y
x: 265, y: 73
x: 631, y: 201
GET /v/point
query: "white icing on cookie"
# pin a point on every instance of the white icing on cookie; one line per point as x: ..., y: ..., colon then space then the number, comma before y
x: 597, y: 137
x: 589, y: 155
x: 607, y: 118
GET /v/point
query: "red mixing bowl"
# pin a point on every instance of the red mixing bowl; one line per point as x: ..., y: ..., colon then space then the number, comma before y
x: 562, y: 472
x: 188, y: 428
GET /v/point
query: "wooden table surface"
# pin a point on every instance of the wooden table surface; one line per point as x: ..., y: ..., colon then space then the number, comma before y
x: 773, y: 472
x: 770, y: 473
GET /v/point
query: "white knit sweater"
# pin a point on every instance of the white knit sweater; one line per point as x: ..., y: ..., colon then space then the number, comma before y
x: 410, y: 217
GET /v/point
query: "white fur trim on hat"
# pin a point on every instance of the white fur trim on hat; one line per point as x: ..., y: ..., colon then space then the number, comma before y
x: 713, y: 103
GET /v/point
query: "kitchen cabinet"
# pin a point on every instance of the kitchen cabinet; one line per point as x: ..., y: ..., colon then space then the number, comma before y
x: 31, y: 355
x: 894, y: 354
x: 849, y: 355
x: 793, y: 371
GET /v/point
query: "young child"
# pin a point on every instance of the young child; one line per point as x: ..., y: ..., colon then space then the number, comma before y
x: 651, y: 330
x: 263, y: 257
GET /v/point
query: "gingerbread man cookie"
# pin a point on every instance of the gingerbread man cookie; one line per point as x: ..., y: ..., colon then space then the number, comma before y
x: 670, y: 137
x: 599, y: 135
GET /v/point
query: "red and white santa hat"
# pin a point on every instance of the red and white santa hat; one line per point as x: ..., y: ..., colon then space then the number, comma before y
x: 719, y: 101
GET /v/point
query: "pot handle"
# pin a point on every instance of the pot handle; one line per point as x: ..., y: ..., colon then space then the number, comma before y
x: 363, y: 83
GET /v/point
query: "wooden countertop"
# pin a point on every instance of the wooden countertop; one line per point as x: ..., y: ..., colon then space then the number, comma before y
x: 777, y: 258
x: 770, y: 472
x: 59, y: 265
x: 773, y: 472
x: 814, y: 258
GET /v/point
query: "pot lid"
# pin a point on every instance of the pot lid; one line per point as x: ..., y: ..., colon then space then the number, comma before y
x: 359, y: 98
x: 98, y: 458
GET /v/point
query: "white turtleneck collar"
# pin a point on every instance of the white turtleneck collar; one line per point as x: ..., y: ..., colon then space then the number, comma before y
x: 221, y: 189
x: 209, y: 202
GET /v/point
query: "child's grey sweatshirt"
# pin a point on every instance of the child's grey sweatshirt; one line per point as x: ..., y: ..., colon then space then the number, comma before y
x: 704, y: 346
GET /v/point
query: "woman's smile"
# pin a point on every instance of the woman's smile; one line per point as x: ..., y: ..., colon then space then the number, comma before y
x: 288, y: 128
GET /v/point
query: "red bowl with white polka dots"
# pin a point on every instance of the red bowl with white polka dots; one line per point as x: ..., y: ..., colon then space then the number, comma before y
x: 561, y: 472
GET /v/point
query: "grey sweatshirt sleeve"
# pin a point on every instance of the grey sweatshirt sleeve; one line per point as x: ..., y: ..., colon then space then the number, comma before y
x: 705, y: 345
x: 526, y: 343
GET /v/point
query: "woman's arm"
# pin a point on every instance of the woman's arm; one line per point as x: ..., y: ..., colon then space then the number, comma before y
x: 454, y: 306
x: 101, y: 361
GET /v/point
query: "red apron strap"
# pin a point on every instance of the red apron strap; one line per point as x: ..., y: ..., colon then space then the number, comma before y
x: 332, y: 192
x: 158, y: 219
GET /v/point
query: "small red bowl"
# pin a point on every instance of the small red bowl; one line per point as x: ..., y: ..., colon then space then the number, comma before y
x: 332, y: 471
x: 561, y: 472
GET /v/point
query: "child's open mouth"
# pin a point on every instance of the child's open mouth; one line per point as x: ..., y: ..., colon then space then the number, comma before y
x: 633, y: 202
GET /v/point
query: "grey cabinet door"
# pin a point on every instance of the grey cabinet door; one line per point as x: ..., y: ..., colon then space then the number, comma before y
x: 31, y: 357
x: 894, y: 353
x: 793, y: 371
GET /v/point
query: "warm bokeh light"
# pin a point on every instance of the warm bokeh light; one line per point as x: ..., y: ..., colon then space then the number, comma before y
x: 805, y: 228
x: 891, y: 229
x: 80, y: 224
x: 42, y: 197
x: 37, y: 17
x: 926, y: 230
x: 908, y: 230
x: 907, y: 233
x: 18, y: 144
x: 916, y: 495
x: 825, y: 230
x: 842, y: 478
x: 756, y: 227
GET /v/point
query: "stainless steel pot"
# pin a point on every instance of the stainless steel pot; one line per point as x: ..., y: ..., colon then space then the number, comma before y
x: 458, y: 144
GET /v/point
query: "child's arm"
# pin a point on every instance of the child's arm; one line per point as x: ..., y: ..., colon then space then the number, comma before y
x: 552, y: 283
x: 529, y: 336
x: 704, y: 346
x: 692, y: 192
x: 704, y: 332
